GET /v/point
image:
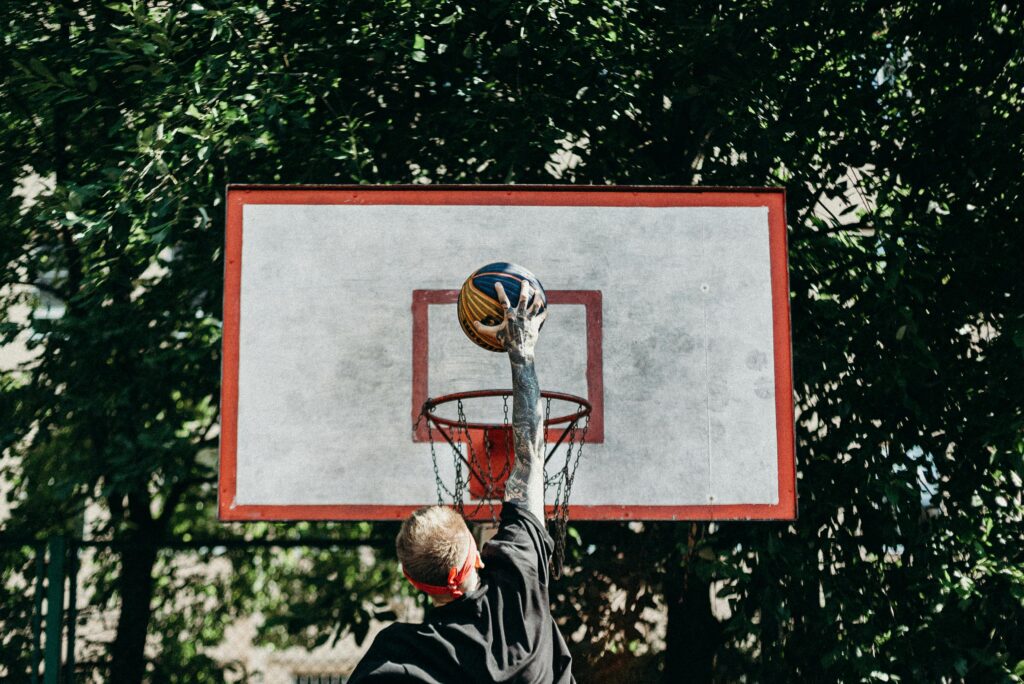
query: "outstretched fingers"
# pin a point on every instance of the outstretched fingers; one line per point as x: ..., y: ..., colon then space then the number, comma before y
x: 489, y: 330
x: 517, y: 327
x: 524, y: 297
x: 502, y: 297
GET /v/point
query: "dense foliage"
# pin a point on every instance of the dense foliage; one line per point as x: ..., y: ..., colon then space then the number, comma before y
x: 896, y: 127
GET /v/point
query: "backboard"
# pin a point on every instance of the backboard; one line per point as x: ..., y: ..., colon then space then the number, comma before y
x: 668, y: 312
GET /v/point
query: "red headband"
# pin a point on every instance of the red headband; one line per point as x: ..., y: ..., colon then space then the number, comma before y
x: 455, y: 576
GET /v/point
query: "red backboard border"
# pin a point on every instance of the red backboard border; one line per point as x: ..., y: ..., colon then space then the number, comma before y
x: 773, y: 199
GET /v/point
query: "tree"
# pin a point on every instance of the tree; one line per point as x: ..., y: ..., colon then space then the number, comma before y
x: 895, y: 127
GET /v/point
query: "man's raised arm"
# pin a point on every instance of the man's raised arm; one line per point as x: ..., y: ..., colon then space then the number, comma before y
x: 518, y: 332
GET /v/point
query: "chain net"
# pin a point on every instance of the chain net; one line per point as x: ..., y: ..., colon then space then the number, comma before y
x: 482, y: 465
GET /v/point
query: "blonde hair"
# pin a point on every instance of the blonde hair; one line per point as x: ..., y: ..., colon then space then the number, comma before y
x: 432, y: 540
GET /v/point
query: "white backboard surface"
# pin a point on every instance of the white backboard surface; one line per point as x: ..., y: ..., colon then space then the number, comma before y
x: 669, y: 311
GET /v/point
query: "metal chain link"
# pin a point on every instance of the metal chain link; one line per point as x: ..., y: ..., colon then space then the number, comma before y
x: 460, y: 483
x: 441, y: 489
x: 506, y: 468
x: 568, y: 476
x: 492, y: 484
x: 559, y: 481
x: 476, y: 469
x: 438, y: 480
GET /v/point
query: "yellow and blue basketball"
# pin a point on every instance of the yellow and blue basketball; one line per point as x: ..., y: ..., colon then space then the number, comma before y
x: 478, y: 299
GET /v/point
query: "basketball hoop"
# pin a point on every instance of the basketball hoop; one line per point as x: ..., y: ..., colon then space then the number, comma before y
x: 483, y: 452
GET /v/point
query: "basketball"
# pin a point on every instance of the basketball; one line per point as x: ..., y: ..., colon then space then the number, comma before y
x: 478, y: 299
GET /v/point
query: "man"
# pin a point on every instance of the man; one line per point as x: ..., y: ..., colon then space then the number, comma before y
x: 491, y: 621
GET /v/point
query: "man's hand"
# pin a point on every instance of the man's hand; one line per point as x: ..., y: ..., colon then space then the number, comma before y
x: 521, y: 327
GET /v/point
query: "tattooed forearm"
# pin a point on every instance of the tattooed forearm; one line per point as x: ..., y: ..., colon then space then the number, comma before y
x: 518, y: 333
x: 526, y: 481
